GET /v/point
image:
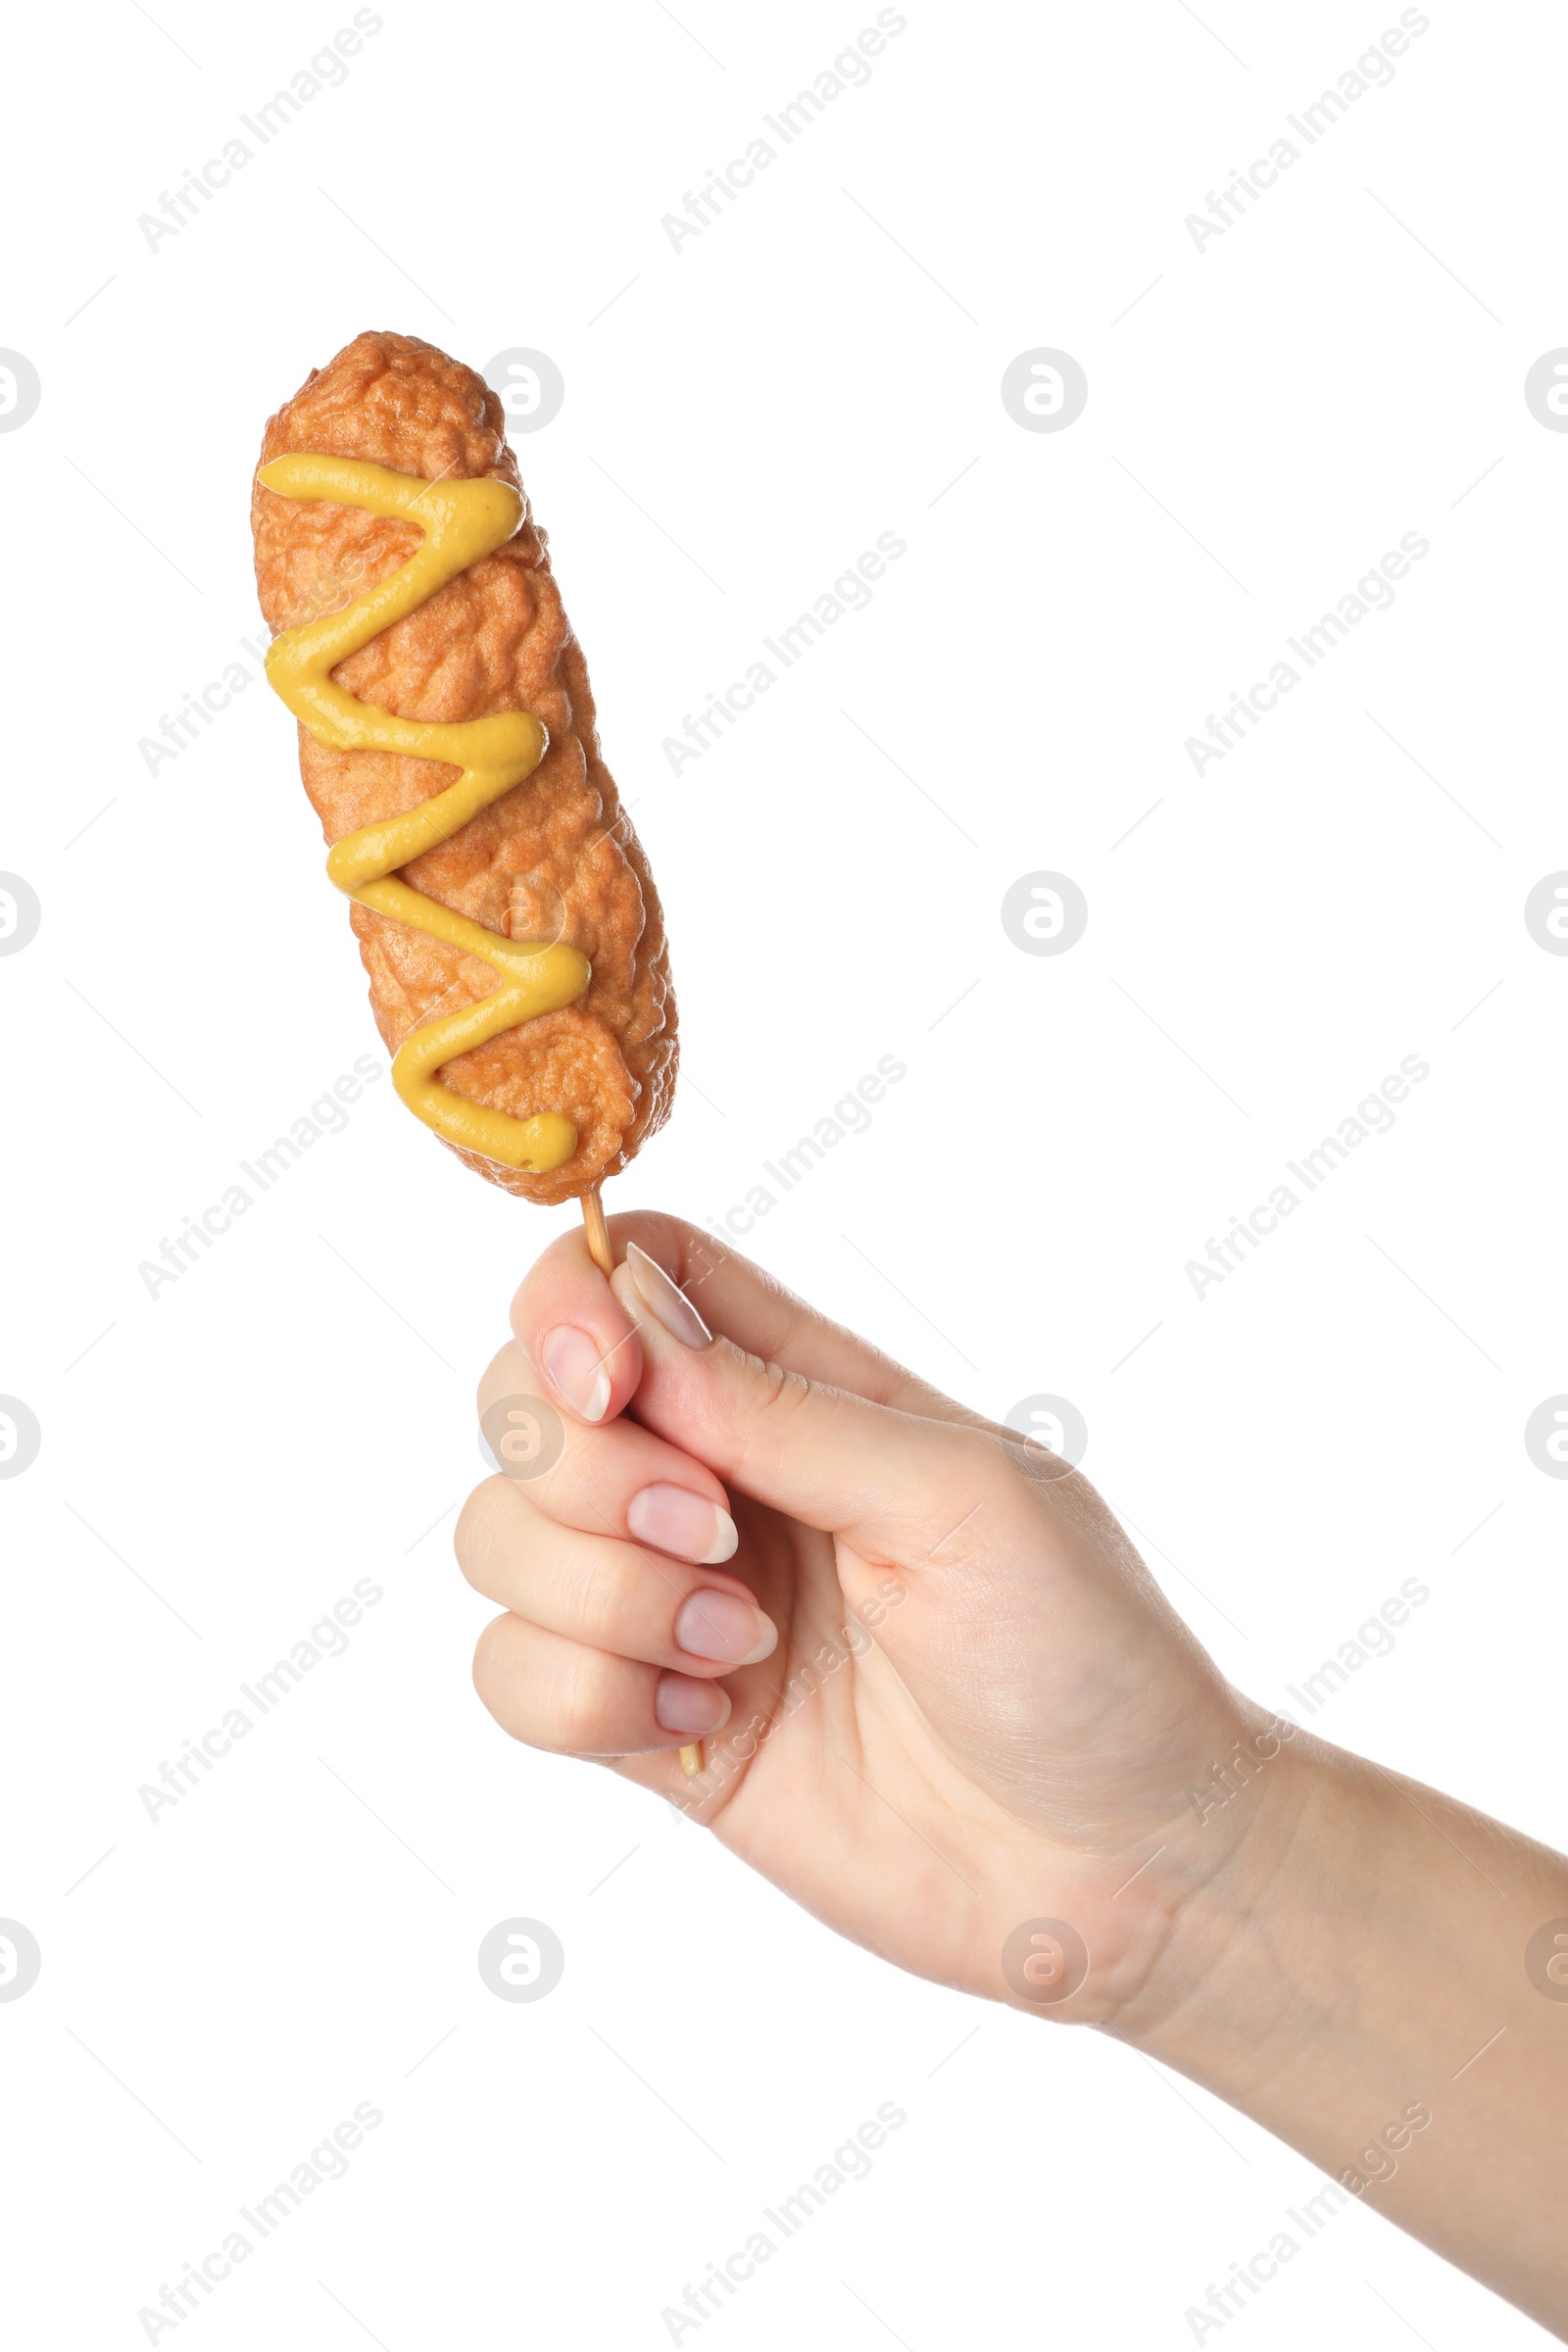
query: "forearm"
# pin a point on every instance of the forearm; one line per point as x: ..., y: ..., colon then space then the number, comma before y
x: 1360, y: 1965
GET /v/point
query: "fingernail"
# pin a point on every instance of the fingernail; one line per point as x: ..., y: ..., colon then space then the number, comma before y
x: 724, y: 1628
x: 576, y: 1368
x: 675, y: 1519
x: 692, y: 1708
x: 664, y: 1303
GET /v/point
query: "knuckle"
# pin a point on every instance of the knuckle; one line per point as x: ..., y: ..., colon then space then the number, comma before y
x: 780, y: 1393
x: 490, y: 1663
x: 775, y: 1397
x: 983, y: 1450
x: 1004, y: 1467
x: 477, y: 1534
x: 583, y: 1711
x: 1031, y: 1480
x: 493, y: 1375
x: 591, y: 1590
x: 984, y: 1491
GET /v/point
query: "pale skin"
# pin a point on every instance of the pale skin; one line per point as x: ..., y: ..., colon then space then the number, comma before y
x: 943, y: 1700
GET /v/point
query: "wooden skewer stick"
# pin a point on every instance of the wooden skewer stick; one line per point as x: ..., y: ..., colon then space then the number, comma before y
x: 598, y: 1233
x: 593, y: 1217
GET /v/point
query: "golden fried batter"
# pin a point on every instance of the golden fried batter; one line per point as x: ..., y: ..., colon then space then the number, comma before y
x: 554, y: 858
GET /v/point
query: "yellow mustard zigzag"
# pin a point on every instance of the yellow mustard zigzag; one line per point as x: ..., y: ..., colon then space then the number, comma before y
x: 462, y: 522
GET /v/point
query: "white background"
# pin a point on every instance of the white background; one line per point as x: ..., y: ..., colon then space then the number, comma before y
x: 821, y: 365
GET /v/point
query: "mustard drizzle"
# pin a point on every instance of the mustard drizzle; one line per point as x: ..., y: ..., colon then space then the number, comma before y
x: 463, y: 522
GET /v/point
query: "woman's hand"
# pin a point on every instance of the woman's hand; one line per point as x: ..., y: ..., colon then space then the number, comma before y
x: 945, y: 1707
x: 959, y: 1706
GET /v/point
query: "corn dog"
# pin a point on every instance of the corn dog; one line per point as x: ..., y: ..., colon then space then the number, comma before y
x: 505, y: 912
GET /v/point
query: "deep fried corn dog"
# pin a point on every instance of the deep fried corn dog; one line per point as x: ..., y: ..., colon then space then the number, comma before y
x: 505, y: 911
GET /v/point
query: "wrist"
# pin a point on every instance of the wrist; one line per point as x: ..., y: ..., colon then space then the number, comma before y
x: 1250, y: 1901
x: 1354, y: 1976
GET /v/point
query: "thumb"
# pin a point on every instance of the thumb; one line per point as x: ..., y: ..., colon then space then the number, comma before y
x: 892, y: 1484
